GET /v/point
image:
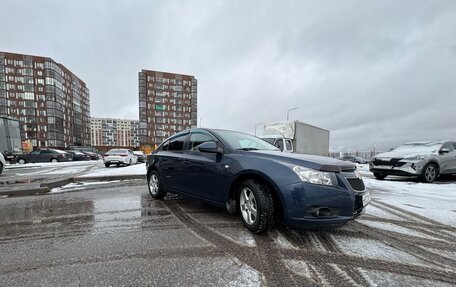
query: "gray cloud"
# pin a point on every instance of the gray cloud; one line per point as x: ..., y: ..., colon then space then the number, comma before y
x: 372, y: 72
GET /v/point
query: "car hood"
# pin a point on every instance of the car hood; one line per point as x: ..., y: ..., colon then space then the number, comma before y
x: 322, y: 163
x: 403, y: 154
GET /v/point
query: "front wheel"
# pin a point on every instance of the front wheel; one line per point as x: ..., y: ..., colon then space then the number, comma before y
x: 155, y: 186
x: 107, y: 164
x: 256, y: 206
x: 54, y: 160
x: 1, y: 168
x: 380, y: 176
x: 21, y: 161
x: 430, y: 173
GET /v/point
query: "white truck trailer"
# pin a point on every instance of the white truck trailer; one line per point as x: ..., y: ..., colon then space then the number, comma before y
x: 10, y: 138
x: 297, y: 137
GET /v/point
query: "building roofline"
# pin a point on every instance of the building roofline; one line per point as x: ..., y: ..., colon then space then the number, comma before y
x: 169, y: 73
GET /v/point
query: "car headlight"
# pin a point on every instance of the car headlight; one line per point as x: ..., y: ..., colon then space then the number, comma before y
x: 315, y: 176
x: 417, y: 157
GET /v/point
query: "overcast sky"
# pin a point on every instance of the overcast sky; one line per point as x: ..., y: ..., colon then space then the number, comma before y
x: 372, y: 72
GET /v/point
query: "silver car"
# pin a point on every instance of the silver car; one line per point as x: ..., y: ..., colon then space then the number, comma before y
x: 2, y: 163
x: 425, y: 160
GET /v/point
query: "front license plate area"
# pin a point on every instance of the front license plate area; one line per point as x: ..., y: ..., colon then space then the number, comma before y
x: 366, y: 198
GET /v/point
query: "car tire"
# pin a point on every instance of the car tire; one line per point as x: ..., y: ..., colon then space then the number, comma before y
x: 107, y: 164
x: 129, y: 163
x: 430, y: 173
x: 380, y: 176
x: 1, y: 168
x: 54, y: 160
x: 156, y: 189
x: 21, y: 161
x: 256, y: 206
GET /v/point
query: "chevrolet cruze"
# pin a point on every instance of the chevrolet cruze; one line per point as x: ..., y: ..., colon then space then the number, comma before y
x: 248, y: 175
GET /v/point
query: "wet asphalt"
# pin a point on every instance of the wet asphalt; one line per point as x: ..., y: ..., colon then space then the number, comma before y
x: 117, y: 235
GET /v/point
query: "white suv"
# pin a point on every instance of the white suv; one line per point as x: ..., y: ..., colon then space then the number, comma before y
x: 2, y: 163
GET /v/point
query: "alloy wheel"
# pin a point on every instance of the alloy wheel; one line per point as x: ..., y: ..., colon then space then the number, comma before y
x: 430, y: 173
x: 248, y: 205
x: 153, y: 184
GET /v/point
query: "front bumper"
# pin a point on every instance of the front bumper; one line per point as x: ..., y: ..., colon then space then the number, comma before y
x: 400, y: 168
x: 319, y: 206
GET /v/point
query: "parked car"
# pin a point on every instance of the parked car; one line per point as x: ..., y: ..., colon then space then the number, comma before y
x: 93, y: 155
x: 78, y: 155
x: 140, y: 155
x: 2, y: 163
x: 242, y: 172
x: 355, y: 159
x: 44, y: 155
x: 425, y: 160
x: 119, y: 157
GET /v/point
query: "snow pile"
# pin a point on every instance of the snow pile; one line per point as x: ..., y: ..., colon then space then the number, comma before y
x: 138, y: 169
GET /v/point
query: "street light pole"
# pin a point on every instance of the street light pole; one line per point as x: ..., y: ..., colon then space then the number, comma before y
x: 288, y: 112
x: 258, y: 125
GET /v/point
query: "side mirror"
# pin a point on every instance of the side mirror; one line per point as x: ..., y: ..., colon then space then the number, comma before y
x: 444, y: 150
x: 210, y: 147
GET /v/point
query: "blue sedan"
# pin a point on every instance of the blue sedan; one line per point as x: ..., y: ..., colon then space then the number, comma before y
x: 248, y: 175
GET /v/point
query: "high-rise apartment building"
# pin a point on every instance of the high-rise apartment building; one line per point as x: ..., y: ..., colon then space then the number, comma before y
x: 114, y: 132
x: 167, y: 104
x: 51, y: 103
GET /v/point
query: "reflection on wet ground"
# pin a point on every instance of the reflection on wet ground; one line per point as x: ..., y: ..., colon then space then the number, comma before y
x: 119, y: 235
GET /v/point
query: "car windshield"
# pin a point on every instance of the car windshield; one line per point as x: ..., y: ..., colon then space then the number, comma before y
x: 419, y: 147
x: 243, y: 141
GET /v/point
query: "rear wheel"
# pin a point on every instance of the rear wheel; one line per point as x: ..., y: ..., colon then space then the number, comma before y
x: 154, y: 184
x: 54, y: 160
x: 1, y: 168
x: 256, y: 206
x: 430, y: 173
x: 107, y: 164
x: 380, y: 176
x: 21, y: 161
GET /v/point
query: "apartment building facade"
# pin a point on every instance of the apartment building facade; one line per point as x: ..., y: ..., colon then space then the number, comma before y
x: 167, y: 104
x: 108, y: 132
x: 51, y: 103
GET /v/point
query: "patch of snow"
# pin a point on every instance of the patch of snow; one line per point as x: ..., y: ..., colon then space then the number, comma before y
x: 78, y: 186
x: 436, y: 201
x: 370, y: 248
x: 138, y: 169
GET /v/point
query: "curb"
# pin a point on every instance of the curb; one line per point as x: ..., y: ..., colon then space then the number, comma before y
x: 45, y: 187
x: 109, y: 178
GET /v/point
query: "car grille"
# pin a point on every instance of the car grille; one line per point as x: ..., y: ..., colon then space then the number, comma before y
x: 392, y: 162
x: 348, y: 169
x: 356, y: 184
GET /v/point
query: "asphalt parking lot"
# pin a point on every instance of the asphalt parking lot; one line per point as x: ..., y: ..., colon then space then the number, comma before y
x: 115, y: 234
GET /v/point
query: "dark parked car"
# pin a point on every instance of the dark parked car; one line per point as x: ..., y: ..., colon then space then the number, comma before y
x: 93, y: 155
x: 44, y: 155
x: 140, y: 155
x: 242, y: 172
x: 355, y: 159
x: 78, y: 155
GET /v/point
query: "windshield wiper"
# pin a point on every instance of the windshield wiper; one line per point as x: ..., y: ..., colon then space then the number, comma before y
x: 248, y: 148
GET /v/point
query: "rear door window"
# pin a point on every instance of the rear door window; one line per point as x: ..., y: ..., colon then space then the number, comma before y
x: 177, y: 143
